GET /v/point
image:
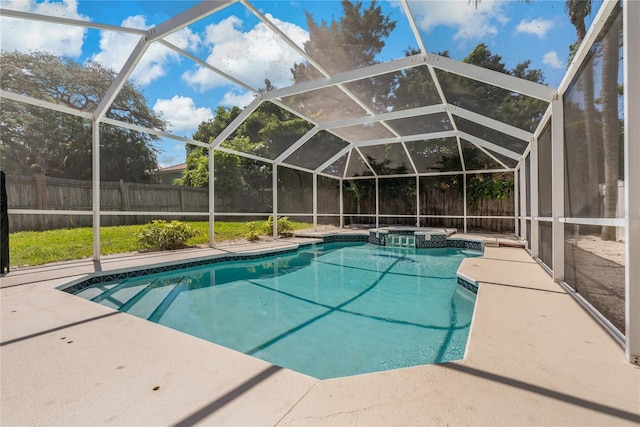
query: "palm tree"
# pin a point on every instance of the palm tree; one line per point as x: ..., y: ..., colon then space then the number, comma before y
x: 578, y: 10
x: 610, y: 123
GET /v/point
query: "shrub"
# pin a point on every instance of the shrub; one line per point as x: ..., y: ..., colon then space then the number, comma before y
x: 284, y: 226
x: 164, y: 235
x: 253, y: 234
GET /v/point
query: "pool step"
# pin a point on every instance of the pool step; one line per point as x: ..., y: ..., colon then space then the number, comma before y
x: 401, y: 240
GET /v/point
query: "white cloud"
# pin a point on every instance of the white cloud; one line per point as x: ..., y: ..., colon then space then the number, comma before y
x: 250, y: 56
x: 24, y: 35
x: 115, y: 48
x: 471, y: 23
x: 539, y: 27
x: 184, y: 39
x: 241, y: 99
x: 553, y: 60
x: 181, y: 113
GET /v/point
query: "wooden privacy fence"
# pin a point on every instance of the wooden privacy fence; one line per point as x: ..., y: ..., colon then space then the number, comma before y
x: 46, y: 193
x: 434, y: 205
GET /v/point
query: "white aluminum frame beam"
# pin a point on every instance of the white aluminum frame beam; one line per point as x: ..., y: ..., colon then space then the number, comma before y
x: 346, y: 167
x: 303, y: 54
x: 490, y: 146
x: 492, y: 123
x: 45, y: 104
x: 428, y: 110
x: 474, y: 72
x: 212, y: 198
x: 274, y: 184
x: 523, y: 202
x: 414, y: 27
x: 557, y: 178
x: 189, y: 16
x: 583, y: 50
x: 366, y: 162
x: 208, y: 66
x: 95, y: 186
x: 87, y: 115
x: 459, y: 172
x: 334, y: 158
x: 299, y: 168
x: 419, y: 137
x: 516, y: 200
x: 315, y: 202
x: 226, y: 132
x: 341, y: 201
x: 464, y: 204
x: 134, y: 57
x: 241, y: 154
x: 631, y: 70
x: 293, y: 147
x: 68, y: 21
x: 495, y: 78
x: 155, y: 132
x: 533, y: 176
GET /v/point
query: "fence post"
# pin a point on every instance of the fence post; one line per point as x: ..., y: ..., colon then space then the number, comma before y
x: 124, y: 202
x: 43, y: 199
x: 417, y: 201
x: 181, y: 195
x: 41, y: 191
x: 124, y: 196
x: 341, y: 205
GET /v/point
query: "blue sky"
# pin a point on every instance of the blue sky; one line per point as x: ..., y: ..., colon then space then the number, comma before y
x: 234, y: 40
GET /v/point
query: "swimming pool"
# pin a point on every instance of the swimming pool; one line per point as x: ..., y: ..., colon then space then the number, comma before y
x: 327, y: 310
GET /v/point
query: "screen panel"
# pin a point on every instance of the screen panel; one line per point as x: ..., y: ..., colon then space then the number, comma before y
x: 594, y: 267
x: 435, y: 155
x: 316, y: 151
x: 442, y: 195
x: 387, y: 159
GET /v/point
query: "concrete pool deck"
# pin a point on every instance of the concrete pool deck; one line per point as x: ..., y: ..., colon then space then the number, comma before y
x: 535, y: 357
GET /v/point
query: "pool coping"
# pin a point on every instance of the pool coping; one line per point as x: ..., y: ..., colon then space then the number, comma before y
x: 131, y: 272
x: 126, y: 273
x: 534, y: 358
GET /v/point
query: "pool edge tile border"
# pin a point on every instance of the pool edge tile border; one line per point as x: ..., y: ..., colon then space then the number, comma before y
x: 131, y: 272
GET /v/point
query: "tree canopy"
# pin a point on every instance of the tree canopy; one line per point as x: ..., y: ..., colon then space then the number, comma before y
x: 270, y: 129
x: 351, y: 42
x: 37, y: 140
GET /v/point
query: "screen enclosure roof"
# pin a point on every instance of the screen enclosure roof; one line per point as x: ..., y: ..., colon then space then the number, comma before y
x: 399, y: 113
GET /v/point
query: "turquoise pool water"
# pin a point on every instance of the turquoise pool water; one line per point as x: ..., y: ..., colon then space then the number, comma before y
x: 329, y: 310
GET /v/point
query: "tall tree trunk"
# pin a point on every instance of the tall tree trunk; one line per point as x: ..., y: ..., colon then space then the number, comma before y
x: 592, y: 197
x: 610, y: 124
x: 586, y: 159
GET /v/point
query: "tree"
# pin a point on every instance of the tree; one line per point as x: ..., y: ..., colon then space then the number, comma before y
x: 349, y: 43
x: 414, y: 87
x: 352, y: 42
x: 601, y: 129
x: 578, y: 10
x: 267, y: 132
x: 196, y: 173
x: 610, y: 122
x: 38, y: 140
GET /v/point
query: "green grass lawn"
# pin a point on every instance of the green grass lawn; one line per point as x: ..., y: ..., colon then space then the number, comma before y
x: 42, y: 247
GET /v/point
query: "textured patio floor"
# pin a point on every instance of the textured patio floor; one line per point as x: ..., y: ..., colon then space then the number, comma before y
x: 534, y: 358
